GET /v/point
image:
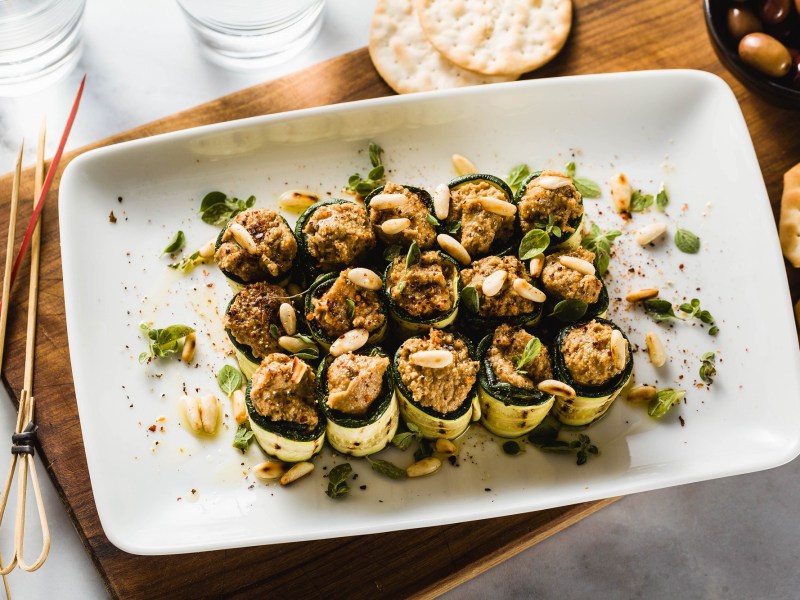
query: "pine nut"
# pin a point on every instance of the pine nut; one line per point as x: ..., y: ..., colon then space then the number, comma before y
x: 441, y: 201
x: 537, y: 264
x: 299, y: 470
x: 655, y: 349
x: 523, y: 289
x: 394, y: 226
x: 492, y: 285
x: 577, y: 264
x: 462, y: 165
x: 454, y: 248
x: 288, y: 318
x: 191, y: 405
x: 189, y: 345
x: 271, y: 469
x: 432, y: 359
x: 297, y: 201
x: 642, y: 294
x: 650, y: 233
x: 641, y: 394
x: 426, y: 466
x: 293, y: 344
x: 238, y: 407
x: 208, y: 249
x: 619, y: 349
x: 243, y: 238
x: 551, y: 182
x: 445, y: 446
x: 209, y: 412
x: 387, y: 201
x: 299, y: 369
x: 498, y: 207
x: 364, y: 278
x: 476, y: 409
x: 349, y: 342
x: 557, y: 388
x: 621, y: 191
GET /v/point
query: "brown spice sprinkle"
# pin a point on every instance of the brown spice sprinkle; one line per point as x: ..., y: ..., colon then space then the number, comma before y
x: 480, y: 229
x: 112, y: 217
x: 252, y: 312
x: 339, y: 235
x: 508, y: 344
x: 563, y: 282
x: 355, y: 382
x: 280, y: 395
x: 427, y: 289
x: 538, y: 203
x: 588, y: 354
x: 332, y: 311
x: 419, y: 231
x: 506, y: 303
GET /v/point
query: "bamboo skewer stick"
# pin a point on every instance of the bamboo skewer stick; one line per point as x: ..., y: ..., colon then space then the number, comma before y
x: 12, y: 226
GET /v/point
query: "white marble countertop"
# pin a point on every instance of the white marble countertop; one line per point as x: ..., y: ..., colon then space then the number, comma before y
x: 729, y: 538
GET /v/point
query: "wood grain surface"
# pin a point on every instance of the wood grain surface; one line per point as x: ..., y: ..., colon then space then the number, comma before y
x: 621, y: 36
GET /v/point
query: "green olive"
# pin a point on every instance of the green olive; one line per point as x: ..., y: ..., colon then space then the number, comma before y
x: 765, y: 53
x: 742, y: 21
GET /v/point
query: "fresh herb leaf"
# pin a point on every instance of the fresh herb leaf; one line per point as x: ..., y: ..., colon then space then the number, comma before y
x: 176, y: 244
x: 391, y: 252
x: 569, y: 170
x: 641, y: 202
x: 469, y: 296
x: 229, y: 379
x: 351, y: 308
x: 432, y: 221
x: 532, y: 349
x: 243, y: 437
x: 586, y: 187
x: 662, y: 199
x: 413, y: 255
x: 384, y: 467
x: 337, y: 480
x: 550, y: 228
x: 400, y: 286
x: 274, y: 332
x: 163, y: 342
x: 569, y: 310
x: 424, y: 450
x: 310, y: 353
x: 516, y: 176
x: 707, y: 367
x: 403, y: 440
x: 512, y: 447
x: 376, y: 174
x: 375, y: 153
x: 305, y: 338
x: 664, y: 400
x: 186, y: 264
x: 599, y: 242
x: 216, y: 208
x: 714, y: 330
x: 693, y: 310
x: 545, y: 436
x: 375, y: 177
x: 686, y: 241
x: 534, y: 243
x: 453, y: 227
x: 212, y: 198
x: 660, y: 310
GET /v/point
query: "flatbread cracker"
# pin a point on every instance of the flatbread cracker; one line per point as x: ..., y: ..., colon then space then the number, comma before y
x: 789, y: 221
x: 496, y: 37
x: 405, y: 58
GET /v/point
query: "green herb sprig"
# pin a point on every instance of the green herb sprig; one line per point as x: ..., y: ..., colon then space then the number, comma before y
x: 545, y: 437
x: 586, y: 187
x: 413, y: 255
x: 403, y: 439
x: 163, y: 342
x: 216, y: 207
x: 469, y: 297
x: 375, y: 177
x: 640, y: 201
x: 229, y: 379
x: 686, y: 241
x: 662, y: 199
x: 569, y: 310
x: 664, y: 400
x: 534, y: 242
x: 337, y: 480
x: 550, y: 228
x: 708, y: 369
x: 188, y: 263
x: 599, y: 242
x: 531, y: 351
x: 243, y: 437
x: 516, y: 176
x: 384, y: 467
x: 176, y: 244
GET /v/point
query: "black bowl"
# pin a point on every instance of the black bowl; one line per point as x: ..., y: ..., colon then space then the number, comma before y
x: 726, y: 48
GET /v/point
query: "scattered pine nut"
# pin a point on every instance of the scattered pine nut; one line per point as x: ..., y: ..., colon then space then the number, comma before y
x: 297, y: 201
x: 641, y: 394
x: 441, y: 201
x: 445, y: 446
x: 269, y: 470
x: 642, y: 294
x: 621, y: 192
x: 208, y: 249
x: 426, y: 466
x: 189, y: 346
x: 209, y: 413
x: 238, y: 407
x: 191, y: 405
x: 650, y: 233
x: 655, y: 349
x: 299, y: 470
x: 462, y: 165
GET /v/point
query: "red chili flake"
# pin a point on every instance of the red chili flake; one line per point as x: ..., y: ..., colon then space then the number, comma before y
x: 151, y: 428
x: 683, y: 423
x: 194, y: 491
x: 111, y: 218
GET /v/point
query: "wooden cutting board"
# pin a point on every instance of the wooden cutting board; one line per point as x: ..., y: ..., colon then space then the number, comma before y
x: 622, y: 36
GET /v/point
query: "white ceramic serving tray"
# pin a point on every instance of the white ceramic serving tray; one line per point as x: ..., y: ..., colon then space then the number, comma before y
x: 171, y: 491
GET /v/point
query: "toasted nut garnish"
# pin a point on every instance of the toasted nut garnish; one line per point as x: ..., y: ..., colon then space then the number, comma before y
x: 299, y: 369
x: 641, y: 394
x: 423, y: 467
x: 441, y: 201
x: 364, y: 278
x: 288, y: 318
x: 272, y: 469
x: 621, y: 191
x: 492, y: 285
x: 189, y: 345
x: 349, y: 341
x: 208, y: 249
x: 238, y: 407
x: 393, y: 226
x: 191, y: 405
x: 209, y: 412
x: 445, y: 446
x: 243, y: 238
x: 523, y: 289
x: 454, y: 248
x: 551, y: 182
x: 650, y: 233
x: 293, y: 344
x: 476, y: 409
x: 463, y: 166
x: 557, y: 388
x: 642, y: 294
x: 498, y: 207
x: 299, y: 470
x: 387, y: 201
x: 577, y: 264
x: 432, y: 359
x: 297, y: 201
x: 619, y: 349
x: 537, y: 264
x: 655, y: 349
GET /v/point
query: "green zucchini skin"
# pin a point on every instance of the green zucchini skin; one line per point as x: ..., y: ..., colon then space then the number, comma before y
x: 506, y: 410
x: 320, y: 285
x: 566, y: 241
x: 284, y: 440
x: 591, y: 401
x: 357, y: 435
x: 433, y: 424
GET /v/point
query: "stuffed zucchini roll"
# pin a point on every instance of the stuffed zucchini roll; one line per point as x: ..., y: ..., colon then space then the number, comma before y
x: 513, y: 363
x: 256, y: 245
x: 336, y: 304
x: 400, y: 215
x: 422, y: 291
x: 282, y: 410
x: 549, y: 198
x: 505, y: 293
x: 356, y: 394
x: 572, y: 275
x: 593, y: 358
x: 435, y: 379
x: 332, y: 235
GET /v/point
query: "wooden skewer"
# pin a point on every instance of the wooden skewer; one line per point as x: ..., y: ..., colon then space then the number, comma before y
x: 12, y: 226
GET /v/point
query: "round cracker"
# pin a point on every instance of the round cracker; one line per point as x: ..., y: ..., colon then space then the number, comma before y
x: 406, y: 59
x: 496, y: 37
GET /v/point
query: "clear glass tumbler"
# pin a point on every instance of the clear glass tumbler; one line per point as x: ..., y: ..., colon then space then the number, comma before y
x: 40, y: 42
x: 253, y: 34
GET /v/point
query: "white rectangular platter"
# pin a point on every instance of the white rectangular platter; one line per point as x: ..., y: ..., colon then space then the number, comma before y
x: 169, y: 491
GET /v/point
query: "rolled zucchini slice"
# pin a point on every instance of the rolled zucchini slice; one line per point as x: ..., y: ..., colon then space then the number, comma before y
x: 507, y: 410
x: 287, y: 441
x: 423, y: 195
x: 360, y: 435
x: 591, y: 401
x: 565, y: 241
x: 477, y: 323
x: 244, y: 355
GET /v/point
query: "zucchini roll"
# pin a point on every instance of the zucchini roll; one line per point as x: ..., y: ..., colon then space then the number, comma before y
x: 513, y: 362
x: 356, y: 393
x: 435, y: 379
x: 256, y: 245
x: 594, y: 358
x: 572, y: 274
x: 400, y: 215
x: 283, y: 414
x: 333, y: 234
x: 550, y: 198
x: 424, y: 294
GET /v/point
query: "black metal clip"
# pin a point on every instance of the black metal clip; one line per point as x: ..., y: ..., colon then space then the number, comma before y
x: 23, y: 442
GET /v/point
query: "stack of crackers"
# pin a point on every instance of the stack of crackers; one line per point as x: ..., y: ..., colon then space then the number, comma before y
x: 422, y: 45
